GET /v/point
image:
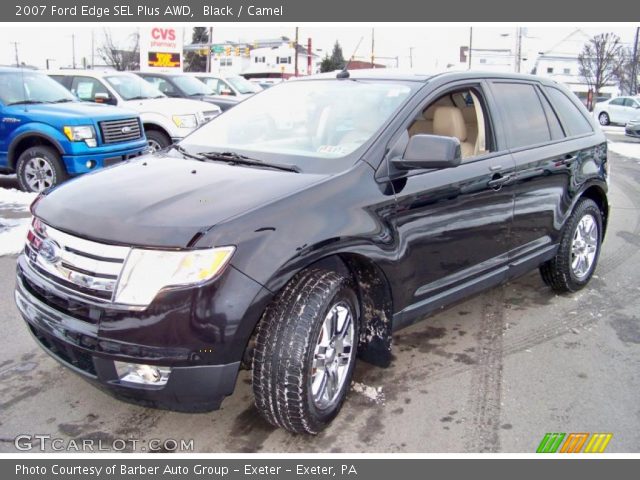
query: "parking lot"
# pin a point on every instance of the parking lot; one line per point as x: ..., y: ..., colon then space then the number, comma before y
x: 492, y: 374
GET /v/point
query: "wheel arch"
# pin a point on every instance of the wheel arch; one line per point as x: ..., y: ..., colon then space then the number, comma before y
x: 374, y: 294
x: 27, y: 140
x: 598, y: 195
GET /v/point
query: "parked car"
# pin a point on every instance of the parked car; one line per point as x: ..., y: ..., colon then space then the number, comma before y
x: 179, y: 85
x: 617, y: 110
x: 165, y: 120
x: 233, y: 86
x: 306, y: 225
x: 47, y: 135
x: 632, y: 128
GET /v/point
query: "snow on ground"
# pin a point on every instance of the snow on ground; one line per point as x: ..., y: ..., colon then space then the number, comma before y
x: 14, y: 219
x: 13, y: 233
x: 15, y: 199
x: 627, y: 149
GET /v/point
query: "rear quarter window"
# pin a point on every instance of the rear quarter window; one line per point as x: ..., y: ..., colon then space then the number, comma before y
x: 525, y: 122
x: 574, y: 121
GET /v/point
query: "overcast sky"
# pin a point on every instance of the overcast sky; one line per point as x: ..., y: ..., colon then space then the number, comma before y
x: 433, y: 47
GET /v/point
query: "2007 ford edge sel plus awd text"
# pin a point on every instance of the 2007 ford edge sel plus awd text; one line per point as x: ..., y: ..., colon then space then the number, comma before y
x: 301, y: 228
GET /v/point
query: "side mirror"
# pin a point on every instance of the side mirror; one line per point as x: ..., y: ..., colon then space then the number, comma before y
x: 430, y: 151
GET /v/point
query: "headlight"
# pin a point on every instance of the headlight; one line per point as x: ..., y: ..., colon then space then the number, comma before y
x: 79, y: 133
x: 185, y: 121
x: 146, y: 272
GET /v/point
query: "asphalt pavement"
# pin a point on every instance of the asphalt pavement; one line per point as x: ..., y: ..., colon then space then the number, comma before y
x: 491, y: 374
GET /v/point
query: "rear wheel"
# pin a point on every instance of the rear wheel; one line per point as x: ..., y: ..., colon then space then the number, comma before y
x: 305, y: 352
x: 39, y: 168
x: 157, y: 140
x: 579, y: 250
x: 603, y: 118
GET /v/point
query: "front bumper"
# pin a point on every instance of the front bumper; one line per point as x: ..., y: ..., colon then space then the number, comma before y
x: 632, y: 130
x: 77, y: 163
x: 88, y: 339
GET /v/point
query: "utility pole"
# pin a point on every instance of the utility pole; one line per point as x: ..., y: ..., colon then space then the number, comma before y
x: 295, y: 54
x: 209, y: 43
x: 373, y: 43
x: 15, y: 47
x: 48, y: 60
x: 518, y: 49
x: 634, y: 75
x: 411, y: 57
x: 92, y: 51
x: 73, y: 50
x: 470, y: 45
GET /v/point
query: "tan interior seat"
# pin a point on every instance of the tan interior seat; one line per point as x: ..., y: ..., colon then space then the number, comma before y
x: 449, y: 122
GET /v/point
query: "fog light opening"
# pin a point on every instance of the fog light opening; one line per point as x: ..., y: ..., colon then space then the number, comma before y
x: 142, y: 374
x: 90, y: 163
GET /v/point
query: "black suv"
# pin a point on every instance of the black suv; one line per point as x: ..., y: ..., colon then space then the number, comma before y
x: 304, y: 226
x: 180, y: 85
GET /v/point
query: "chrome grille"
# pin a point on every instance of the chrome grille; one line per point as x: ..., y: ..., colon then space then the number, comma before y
x: 89, y: 268
x: 114, y: 131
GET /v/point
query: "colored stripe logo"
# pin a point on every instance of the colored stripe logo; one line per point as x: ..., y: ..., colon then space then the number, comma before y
x: 573, y: 443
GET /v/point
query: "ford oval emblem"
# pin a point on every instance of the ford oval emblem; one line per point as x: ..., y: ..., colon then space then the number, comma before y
x: 126, y: 129
x: 49, y: 251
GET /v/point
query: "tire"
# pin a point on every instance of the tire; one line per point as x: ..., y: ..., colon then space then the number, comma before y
x: 561, y: 272
x: 286, y: 381
x: 157, y: 140
x: 604, y: 119
x: 39, y: 168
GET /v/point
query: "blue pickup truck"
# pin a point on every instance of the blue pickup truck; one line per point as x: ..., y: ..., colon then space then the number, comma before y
x: 47, y: 135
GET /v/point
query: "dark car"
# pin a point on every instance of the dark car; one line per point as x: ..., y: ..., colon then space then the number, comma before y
x: 305, y: 226
x: 179, y: 85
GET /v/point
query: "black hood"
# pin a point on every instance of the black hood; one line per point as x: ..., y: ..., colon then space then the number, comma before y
x: 160, y: 201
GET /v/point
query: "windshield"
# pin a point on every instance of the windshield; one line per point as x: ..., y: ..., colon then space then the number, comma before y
x: 31, y: 87
x: 132, y: 87
x: 242, y: 85
x: 321, y: 119
x: 191, y: 86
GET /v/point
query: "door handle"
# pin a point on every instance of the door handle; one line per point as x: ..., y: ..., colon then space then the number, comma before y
x: 569, y: 159
x: 498, y: 180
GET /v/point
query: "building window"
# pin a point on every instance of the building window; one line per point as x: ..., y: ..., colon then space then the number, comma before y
x: 283, y: 60
x: 567, y: 71
x: 226, y: 61
x: 549, y: 69
x: 483, y: 60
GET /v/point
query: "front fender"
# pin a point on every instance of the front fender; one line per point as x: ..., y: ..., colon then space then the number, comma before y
x: 35, y: 129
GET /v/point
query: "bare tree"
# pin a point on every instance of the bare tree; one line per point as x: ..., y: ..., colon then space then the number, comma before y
x: 119, y: 57
x: 625, y: 72
x: 599, y: 61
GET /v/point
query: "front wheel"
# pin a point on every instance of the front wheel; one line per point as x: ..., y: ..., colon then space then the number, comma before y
x: 39, y: 168
x: 603, y: 118
x: 157, y: 140
x: 579, y: 250
x: 305, y: 352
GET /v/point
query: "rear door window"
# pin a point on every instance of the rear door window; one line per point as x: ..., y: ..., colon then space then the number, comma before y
x: 574, y: 121
x: 525, y: 122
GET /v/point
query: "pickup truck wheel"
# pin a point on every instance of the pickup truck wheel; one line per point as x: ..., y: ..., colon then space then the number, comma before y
x: 40, y: 167
x: 305, y: 352
x: 157, y: 140
x: 576, y: 259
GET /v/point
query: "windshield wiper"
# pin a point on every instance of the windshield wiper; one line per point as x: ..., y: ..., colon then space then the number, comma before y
x: 233, y: 158
x: 186, y: 153
x: 141, y: 97
x: 26, y: 102
x: 62, y: 100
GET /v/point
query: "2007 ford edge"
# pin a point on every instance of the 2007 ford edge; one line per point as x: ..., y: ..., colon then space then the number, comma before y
x: 301, y: 228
